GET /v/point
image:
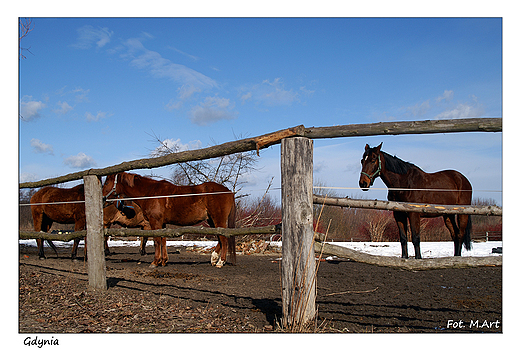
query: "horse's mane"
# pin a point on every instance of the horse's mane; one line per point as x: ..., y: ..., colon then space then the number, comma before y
x: 149, y: 180
x: 397, y: 165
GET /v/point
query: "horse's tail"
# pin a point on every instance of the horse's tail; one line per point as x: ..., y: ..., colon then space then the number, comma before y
x: 232, y: 252
x: 467, y: 234
x: 51, y: 244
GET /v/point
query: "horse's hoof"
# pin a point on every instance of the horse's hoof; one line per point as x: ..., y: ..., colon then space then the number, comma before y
x: 153, y: 266
x: 214, y: 258
x: 142, y: 252
x: 42, y: 258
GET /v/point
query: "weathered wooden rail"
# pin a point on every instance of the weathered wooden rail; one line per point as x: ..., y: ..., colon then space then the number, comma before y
x: 298, y: 281
x: 491, y: 210
x: 408, y: 264
x: 264, y: 141
x: 165, y: 232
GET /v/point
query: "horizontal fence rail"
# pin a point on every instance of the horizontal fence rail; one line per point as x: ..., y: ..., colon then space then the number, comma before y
x: 166, y: 232
x: 491, y: 210
x: 264, y: 141
x: 409, y: 264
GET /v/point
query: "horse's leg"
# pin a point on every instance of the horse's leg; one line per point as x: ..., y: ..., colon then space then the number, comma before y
x: 465, y: 227
x: 164, y: 252
x: 107, y: 250
x: 41, y: 254
x: 42, y: 224
x: 142, y: 248
x: 415, y: 227
x: 74, y: 252
x: 449, y: 221
x: 216, y: 253
x: 402, y: 223
x: 79, y: 225
x: 37, y: 215
x: 155, y: 225
x: 223, y: 241
x: 157, y: 254
x: 45, y: 225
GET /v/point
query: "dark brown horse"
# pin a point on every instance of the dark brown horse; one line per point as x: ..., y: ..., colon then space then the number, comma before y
x: 72, y: 211
x: 447, y: 187
x: 189, y: 205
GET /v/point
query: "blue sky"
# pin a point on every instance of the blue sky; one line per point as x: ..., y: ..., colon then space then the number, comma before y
x: 93, y: 90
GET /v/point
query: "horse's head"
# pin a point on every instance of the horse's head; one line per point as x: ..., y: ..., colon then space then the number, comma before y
x: 370, y: 166
x: 114, y: 184
x: 109, y: 187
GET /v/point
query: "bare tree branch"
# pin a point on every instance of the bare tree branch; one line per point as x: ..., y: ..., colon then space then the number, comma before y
x: 228, y: 170
x: 26, y: 26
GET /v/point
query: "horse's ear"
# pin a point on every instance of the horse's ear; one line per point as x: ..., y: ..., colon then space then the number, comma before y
x: 367, y: 147
x: 130, y: 179
x: 379, y: 147
x: 127, y: 178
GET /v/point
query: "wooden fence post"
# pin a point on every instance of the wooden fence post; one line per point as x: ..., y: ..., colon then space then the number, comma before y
x: 95, y: 238
x: 298, y: 262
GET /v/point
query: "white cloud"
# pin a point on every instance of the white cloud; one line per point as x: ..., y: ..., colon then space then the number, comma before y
x: 88, y: 36
x: 40, y: 147
x: 160, y: 67
x: 30, y: 110
x: 64, y: 108
x: 443, y: 107
x: 80, y: 94
x: 185, y: 92
x: 79, y: 161
x: 246, y: 97
x: 212, y: 110
x: 194, y: 58
x: 28, y: 177
x: 446, y: 96
x: 420, y: 109
x: 270, y: 93
x: 462, y: 110
x: 94, y: 118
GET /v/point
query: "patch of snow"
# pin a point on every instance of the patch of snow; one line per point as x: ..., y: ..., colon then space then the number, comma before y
x: 428, y: 249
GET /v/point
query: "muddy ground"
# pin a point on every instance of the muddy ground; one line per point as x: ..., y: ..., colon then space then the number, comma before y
x: 189, y: 295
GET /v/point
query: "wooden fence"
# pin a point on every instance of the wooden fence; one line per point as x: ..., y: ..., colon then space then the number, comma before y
x: 299, y: 273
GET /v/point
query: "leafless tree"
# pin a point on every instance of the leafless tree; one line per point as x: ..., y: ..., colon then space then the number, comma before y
x: 25, y: 26
x: 227, y: 170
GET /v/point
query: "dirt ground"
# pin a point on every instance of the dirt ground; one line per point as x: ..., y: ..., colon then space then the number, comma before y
x: 189, y: 295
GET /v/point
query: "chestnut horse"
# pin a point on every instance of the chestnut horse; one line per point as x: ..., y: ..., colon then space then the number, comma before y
x: 447, y: 187
x: 66, y: 213
x: 74, y: 213
x: 178, y: 205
